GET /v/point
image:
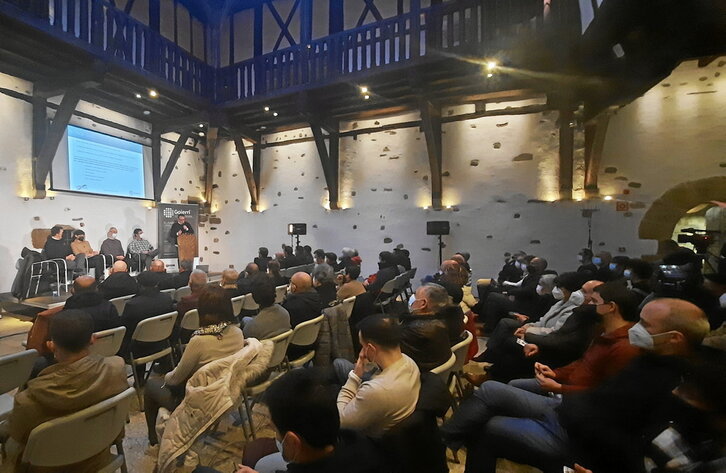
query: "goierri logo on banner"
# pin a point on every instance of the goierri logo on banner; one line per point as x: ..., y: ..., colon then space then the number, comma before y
x: 175, y: 220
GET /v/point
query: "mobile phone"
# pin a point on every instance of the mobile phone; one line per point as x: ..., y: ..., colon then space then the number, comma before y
x: 567, y: 469
x: 521, y: 342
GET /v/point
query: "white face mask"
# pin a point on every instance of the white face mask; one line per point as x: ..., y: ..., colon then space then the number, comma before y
x: 597, y: 260
x: 640, y: 337
x: 577, y: 298
x: 112, y: 236
x: 411, y: 300
x: 579, y: 258
x: 540, y: 290
x: 558, y: 294
x: 612, y: 266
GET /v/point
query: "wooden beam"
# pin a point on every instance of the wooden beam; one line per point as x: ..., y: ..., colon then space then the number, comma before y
x: 431, y: 124
x: 335, y: 16
x: 257, y: 170
x: 594, y: 143
x: 248, y: 170
x: 40, y: 123
x: 329, y: 159
x: 176, y: 124
x: 212, y: 136
x: 306, y: 21
x: 567, y: 149
x: 173, y: 158
x: 44, y: 160
x: 156, y: 160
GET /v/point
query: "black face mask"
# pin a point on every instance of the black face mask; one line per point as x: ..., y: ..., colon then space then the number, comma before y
x: 81, y: 238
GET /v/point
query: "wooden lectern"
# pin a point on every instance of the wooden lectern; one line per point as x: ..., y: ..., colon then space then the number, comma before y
x: 187, y: 244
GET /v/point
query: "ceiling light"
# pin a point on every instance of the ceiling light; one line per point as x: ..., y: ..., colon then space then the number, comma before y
x: 267, y: 109
x: 491, y: 65
x: 366, y: 96
x: 138, y: 95
x: 364, y: 89
x: 153, y: 93
x: 490, y: 75
x: 147, y: 112
x: 201, y: 125
x: 274, y: 114
x: 448, y: 206
x: 201, y: 133
x: 608, y: 197
x: 425, y: 207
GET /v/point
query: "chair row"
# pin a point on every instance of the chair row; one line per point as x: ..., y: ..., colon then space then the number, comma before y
x: 303, y: 268
x: 398, y: 287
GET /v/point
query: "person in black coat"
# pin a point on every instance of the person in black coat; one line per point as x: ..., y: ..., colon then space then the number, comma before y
x: 426, y: 336
x: 303, y: 304
x: 247, y: 278
x: 387, y: 270
x: 181, y: 279
x: 180, y: 227
x: 87, y: 298
x: 262, y: 259
x: 119, y: 283
x: 148, y: 302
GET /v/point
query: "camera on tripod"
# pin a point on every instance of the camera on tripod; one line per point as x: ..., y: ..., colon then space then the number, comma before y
x: 700, y: 239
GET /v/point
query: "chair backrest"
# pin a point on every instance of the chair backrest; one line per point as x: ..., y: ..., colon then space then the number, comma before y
x: 280, y: 293
x: 155, y: 329
x: 120, y: 302
x: 413, y: 272
x: 108, y: 342
x: 237, y: 303
x: 248, y: 303
x: 190, y: 321
x: 348, y: 306
x: 444, y: 370
x: 78, y: 436
x: 460, y: 350
x: 389, y: 287
x: 182, y: 292
x: 15, y: 369
x: 279, y: 350
x: 306, y: 333
x: 170, y: 291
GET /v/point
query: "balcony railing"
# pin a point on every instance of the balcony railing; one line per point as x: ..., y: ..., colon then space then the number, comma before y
x: 104, y: 30
x: 454, y: 28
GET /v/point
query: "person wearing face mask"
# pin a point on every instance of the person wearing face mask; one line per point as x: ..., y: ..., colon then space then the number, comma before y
x: 603, y: 428
x: 510, y: 272
x: 638, y: 274
x: 585, y: 257
x: 141, y: 251
x: 111, y: 246
x: 602, y: 261
x: 308, y: 433
x: 80, y: 246
x: 568, y: 295
x: 381, y: 389
x: 608, y: 354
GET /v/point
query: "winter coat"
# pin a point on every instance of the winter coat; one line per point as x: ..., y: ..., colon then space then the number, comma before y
x: 209, y: 393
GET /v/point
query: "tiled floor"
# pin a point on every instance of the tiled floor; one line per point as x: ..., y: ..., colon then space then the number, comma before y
x: 221, y: 450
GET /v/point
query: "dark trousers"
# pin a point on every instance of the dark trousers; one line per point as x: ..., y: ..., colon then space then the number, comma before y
x: 156, y: 396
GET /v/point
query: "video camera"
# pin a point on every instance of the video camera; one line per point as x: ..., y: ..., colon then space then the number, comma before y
x: 700, y: 239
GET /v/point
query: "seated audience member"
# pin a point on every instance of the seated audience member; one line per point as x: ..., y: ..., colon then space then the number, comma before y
x: 273, y: 272
x: 140, y: 250
x: 324, y: 283
x: 302, y: 303
x: 602, y: 428
x: 57, y: 248
x: 639, y: 273
x: 262, y: 259
x: 425, y: 337
x: 216, y: 338
x: 568, y: 294
x: 511, y: 271
x: 80, y: 246
x: 308, y: 254
x: 111, y: 246
x: 608, y: 354
x: 247, y: 278
x: 229, y: 282
x: 148, y: 302
x: 78, y: 380
x: 198, y: 281
x: 387, y: 270
x: 272, y: 319
x: 181, y: 279
x: 545, y: 299
x: 602, y: 261
x: 374, y: 403
x: 584, y: 257
x: 164, y: 280
x: 309, y: 433
x: 346, y: 257
x: 87, y: 298
x: 459, y: 258
x: 617, y: 266
x: 331, y: 259
x: 350, y: 286
x: 454, y: 275
x: 119, y: 282
x: 288, y: 258
x: 319, y: 256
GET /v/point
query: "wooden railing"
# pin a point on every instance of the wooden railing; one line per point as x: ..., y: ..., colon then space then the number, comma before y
x: 101, y: 28
x: 465, y: 27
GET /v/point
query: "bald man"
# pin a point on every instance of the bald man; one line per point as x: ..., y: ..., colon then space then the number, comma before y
x: 604, y: 429
x: 198, y: 283
x: 302, y: 303
x: 247, y: 278
x: 164, y: 280
x: 119, y: 283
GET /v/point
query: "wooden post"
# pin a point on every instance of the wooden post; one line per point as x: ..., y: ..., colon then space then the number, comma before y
x: 173, y: 158
x: 329, y: 159
x: 567, y: 148
x: 212, y: 134
x: 156, y: 160
x: 595, y: 132
x: 431, y: 124
x: 248, y: 170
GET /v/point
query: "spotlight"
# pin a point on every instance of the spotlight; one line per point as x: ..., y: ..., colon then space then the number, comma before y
x: 274, y: 114
x: 147, y: 112
x: 153, y: 93
x: 201, y: 133
x: 267, y: 109
x: 491, y: 65
x: 608, y: 197
x: 364, y: 89
x: 138, y: 95
x: 366, y: 97
x: 201, y: 125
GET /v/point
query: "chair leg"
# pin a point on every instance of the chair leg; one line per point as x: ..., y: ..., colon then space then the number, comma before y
x: 137, y: 386
x: 248, y: 408
x: 244, y: 423
x: 120, y: 451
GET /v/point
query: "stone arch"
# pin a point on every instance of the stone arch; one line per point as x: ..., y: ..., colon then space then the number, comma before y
x: 663, y: 215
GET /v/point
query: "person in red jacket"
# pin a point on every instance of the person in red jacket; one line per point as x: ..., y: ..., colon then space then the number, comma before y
x: 608, y: 353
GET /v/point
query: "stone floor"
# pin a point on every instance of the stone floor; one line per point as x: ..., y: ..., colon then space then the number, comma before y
x: 221, y: 450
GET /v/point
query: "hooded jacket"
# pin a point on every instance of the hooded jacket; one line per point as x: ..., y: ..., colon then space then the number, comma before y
x: 210, y: 392
x: 103, y: 313
x: 557, y: 315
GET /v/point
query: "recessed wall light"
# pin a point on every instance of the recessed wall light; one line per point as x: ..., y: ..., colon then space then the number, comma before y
x: 274, y: 114
x: 267, y: 109
x: 364, y: 89
x: 147, y: 112
x: 153, y: 93
x: 201, y: 125
x: 138, y: 95
x: 201, y: 133
x: 366, y: 96
x: 608, y: 197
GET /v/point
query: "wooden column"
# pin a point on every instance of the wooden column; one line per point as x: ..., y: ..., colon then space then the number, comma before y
x: 431, y: 124
x: 329, y: 159
x: 212, y: 134
x: 173, y: 158
x: 567, y: 148
x: 156, y: 160
x: 595, y: 132
x: 251, y: 177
